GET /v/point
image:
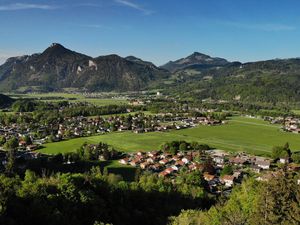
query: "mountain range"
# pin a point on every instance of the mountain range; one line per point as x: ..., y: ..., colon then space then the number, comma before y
x: 198, y: 75
x: 57, y: 68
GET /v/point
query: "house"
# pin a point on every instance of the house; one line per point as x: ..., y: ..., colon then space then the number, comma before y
x: 31, y: 147
x: 219, y: 160
x: 228, y: 180
x: 175, y: 168
x: 144, y: 165
x: 169, y: 170
x: 148, y: 130
x: 140, y: 153
x: 255, y: 168
x: 237, y: 161
x: 164, y: 161
x: 179, y: 163
x: 156, y: 166
x: 134, y: 162
x: 185, y: 160
x: 264, y: 164
x: 199, y: 166
x: 163, y: 174
x: 150, y: 160
x: 284, y: 160
x: 22, y: 143
x: 153, y: 153
x: 237, y: 175
x: 124, y: 161
x: 208, y: 177
x: 294, y: 167
x: 123, y: 128
x: 139, y: 131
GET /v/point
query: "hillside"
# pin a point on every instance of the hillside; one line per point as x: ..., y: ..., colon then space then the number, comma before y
x: 273, y: 81
x: 58, y: 68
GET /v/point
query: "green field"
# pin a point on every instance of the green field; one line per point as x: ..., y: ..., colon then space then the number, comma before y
x: 296, y: 111
x: 240, y: 134
x: 105, y: 100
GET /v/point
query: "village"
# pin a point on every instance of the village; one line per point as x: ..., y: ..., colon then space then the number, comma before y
x: 221, y: 170
x: 80, y: 126
x: 289, y: 124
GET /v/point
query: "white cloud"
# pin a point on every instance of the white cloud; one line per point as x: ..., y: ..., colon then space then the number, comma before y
x: 134, y: 6
x: 25, y: 6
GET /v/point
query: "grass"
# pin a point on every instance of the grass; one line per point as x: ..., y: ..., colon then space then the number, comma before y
x: 240, y: 134
x: 105, y: 100
x: 296, y: 111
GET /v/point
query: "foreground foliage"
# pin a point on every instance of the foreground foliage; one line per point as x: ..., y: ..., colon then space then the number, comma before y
x: 86, y: 198
x: 261, y: 203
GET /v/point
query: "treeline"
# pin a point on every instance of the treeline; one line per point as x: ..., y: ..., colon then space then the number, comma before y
x: 41, y: 112
x: 77, y: 199
x: 253, y: 203
x: 174, y: 147
x: 71, y: 109
x: 221, y: 108
x: 98, y: 110
x: 96, y: 152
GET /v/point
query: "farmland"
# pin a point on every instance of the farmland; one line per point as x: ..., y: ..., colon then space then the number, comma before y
x: 54, y: 97
x: 240, y: 134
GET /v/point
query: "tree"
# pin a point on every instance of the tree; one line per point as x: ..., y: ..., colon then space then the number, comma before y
x: 11, y: 144
x: 183, y: 147
x: 11, y: 160
x: 227, y: 170
x: 195, y: 145
x: 281, y: 151
x: 58, y: 158
x: 27, y: 139
x: 2, y: 140
x: 296, y: 157
x: 11, y: 147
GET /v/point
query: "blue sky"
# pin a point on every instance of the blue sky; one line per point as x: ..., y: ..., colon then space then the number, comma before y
x: 154, y: 30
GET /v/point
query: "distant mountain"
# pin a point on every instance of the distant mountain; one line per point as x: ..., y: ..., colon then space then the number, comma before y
x: 57, y: 68
x: 140, y: 61
x: 5, y: 101
x: 197, y: 61
x: 272, y: 81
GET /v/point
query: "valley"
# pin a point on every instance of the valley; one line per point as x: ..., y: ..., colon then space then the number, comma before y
x: 241, y: 134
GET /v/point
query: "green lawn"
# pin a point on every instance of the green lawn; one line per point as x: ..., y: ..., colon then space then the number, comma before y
x: 240, y: 134
x: 296, y: 111
x: 105, y: 100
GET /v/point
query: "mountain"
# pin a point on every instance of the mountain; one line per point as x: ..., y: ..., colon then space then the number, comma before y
x: 272, y: 81
x: 140, y: 61
x: 5, y: 101
x: 58, y: 67
x: 197, y: 61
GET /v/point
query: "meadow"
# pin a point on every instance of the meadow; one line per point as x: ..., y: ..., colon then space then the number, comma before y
x: 55, y: 97
x: 239, y: 134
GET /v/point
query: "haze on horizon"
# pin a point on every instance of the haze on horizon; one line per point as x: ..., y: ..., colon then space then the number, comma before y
x: 155, y: 30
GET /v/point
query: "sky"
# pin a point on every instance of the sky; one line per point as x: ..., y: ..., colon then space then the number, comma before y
x: 154, y: 30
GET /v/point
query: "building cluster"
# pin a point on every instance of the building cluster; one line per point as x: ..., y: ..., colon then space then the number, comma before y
x: 292, y: 125
x: 289, y: 124
x: 213, y: 164
x: 81, y: 126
